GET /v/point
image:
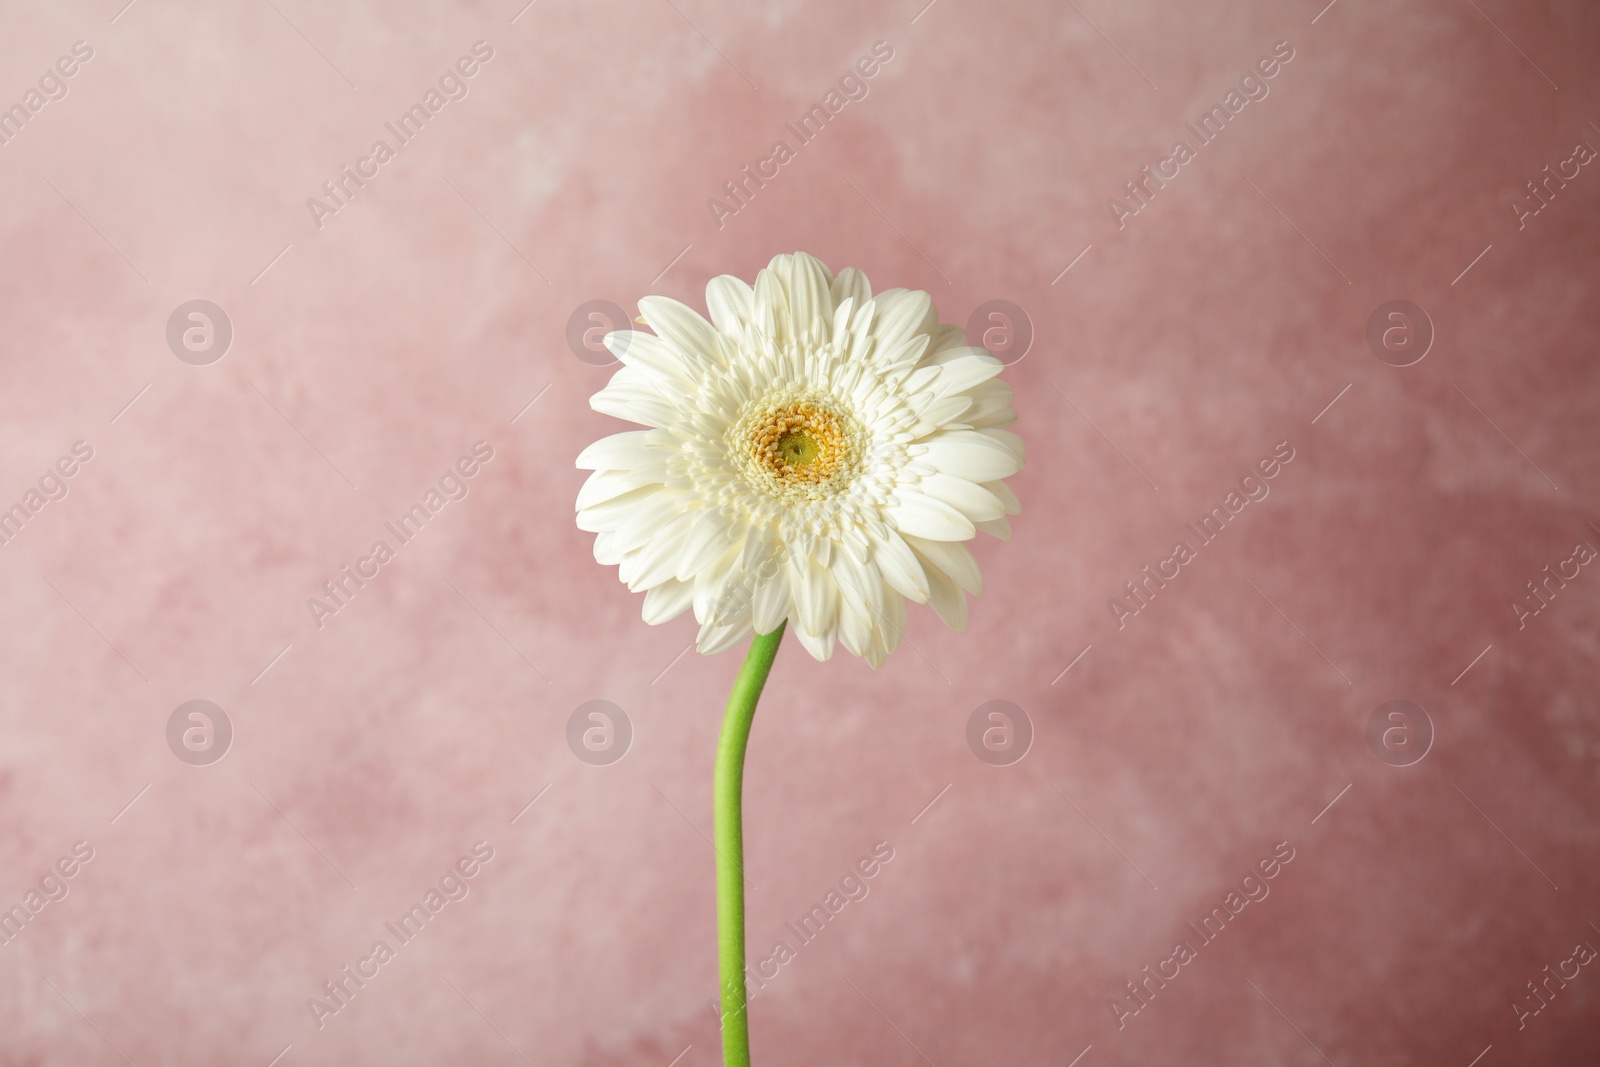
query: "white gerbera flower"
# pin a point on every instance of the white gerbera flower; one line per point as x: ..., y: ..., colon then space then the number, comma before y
x: 817, y: 454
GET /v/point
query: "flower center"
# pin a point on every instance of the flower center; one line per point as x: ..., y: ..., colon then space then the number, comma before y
x: 797, y: 447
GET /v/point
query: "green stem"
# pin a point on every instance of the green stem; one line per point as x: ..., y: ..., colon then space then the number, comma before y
x: 727, y: 794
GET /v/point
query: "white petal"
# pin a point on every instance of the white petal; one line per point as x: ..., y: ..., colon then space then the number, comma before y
x: 646, y: 354
x: 900, y: 313
x: 667, y: 601
x: 624, y: 451
x: 1000, y: 528
x: 731, y: 302
x: 772, y: 304
x: 843, y: 312
x: 819, y: 645
x: 863, y: 600
x: 969, y: 454
x: 963, y: 375
x: 896, y: 357
x: 945, y: 413
x: 973, y: 501
x: 631, y: 395
x: 900, y: 567
x: 610, y: 484
x: 893, y: 628
x: 1009, y: 440
x: 715, y: 591
x: 948, y: 342
x: 954, y: 559
x: 856, y: 628
x: 1008, y: 499
x: 810, y: 302
x: 885, y: 636
x: 861, y: 339
x: 681, y: 330
x: 991, y: 405
x: 948, y: 600
x: 851, y: 283
x: 605, y: 552
x: 714, y: 639
x: 609, y: 516
x: 816, y: 597
x: 709, y: 539
x: 771, y: 602
x: 922, y: 516
x: 657, y: 558
x: 860, y: 584
x: 640, y: 516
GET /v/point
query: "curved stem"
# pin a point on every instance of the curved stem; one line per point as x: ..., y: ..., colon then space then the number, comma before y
x: 727, y: 795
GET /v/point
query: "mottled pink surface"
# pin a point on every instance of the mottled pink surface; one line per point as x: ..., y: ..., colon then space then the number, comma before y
x: 1177, y: 751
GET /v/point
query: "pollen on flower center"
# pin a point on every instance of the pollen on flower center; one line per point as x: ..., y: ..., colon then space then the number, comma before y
x: 797, y: 446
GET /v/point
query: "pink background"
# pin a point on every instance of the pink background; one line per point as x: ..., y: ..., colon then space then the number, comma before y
x: 432, y: 309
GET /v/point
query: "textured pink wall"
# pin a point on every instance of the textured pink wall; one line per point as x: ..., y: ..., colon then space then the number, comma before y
x: 371, y: 351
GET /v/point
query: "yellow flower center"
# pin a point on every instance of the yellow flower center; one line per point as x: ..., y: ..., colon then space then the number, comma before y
x: 797, y: 447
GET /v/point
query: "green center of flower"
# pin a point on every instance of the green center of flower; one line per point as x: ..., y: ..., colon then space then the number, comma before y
x: 798, y: 449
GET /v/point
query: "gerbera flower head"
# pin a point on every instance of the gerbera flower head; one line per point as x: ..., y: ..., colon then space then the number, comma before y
x: 814, y: 453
